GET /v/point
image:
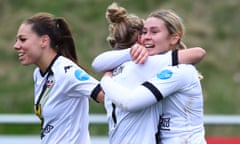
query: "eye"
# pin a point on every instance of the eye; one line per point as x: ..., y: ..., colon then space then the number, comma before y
x: 144, y: 32
x: 22, y: 39
x: 154, y: 31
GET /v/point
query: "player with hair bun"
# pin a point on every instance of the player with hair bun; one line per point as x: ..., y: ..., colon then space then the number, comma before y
x: 129, y: 122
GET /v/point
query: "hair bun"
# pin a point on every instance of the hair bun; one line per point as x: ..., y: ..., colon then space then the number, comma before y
x: 116, y: 14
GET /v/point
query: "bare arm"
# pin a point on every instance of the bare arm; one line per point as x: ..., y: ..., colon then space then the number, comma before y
x: 191, y: 55
x: 100, y: 97
x: 111, y: 59
x: 187, y: 56
x: 98, y: 94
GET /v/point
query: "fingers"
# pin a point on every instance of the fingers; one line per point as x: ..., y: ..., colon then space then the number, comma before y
x: 141, y: 59
x: 139, y: 54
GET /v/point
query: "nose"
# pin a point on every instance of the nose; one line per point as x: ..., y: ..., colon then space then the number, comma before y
x: 16, y: 45
x: 146, y: 36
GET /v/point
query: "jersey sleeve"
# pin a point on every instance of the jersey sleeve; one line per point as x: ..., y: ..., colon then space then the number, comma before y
x: 168, y: 81
x: 80, y: 83
x: 127, y: 99
x: 110, y: 60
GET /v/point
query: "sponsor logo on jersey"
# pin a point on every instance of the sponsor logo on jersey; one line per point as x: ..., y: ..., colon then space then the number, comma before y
x: 66, y: 68
x: 46, y: 130
x: 118, y: 70
x: 165, y: 74
x: 81, y: 75
x: 165, y: 123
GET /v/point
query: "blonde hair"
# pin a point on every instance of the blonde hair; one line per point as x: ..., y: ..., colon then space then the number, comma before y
x: 124, y: 28
x: 173, y: 23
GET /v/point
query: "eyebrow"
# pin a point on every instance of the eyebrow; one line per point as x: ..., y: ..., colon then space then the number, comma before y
x: 152, y: 28
x: 19, y: 36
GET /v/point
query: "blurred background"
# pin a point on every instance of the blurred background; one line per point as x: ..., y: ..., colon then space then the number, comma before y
x: 213, y: 25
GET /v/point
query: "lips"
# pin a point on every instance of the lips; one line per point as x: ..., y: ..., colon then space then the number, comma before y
x: 148, y: 46
x: 20, y: 56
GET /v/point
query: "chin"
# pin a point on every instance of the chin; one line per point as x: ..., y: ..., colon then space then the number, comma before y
x: 150, y: 51
x: 25, y: 63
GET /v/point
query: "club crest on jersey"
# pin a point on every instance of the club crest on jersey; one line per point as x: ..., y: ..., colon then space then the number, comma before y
x: 81, y: 75
x: 118, y: 70
x: 165, y: 74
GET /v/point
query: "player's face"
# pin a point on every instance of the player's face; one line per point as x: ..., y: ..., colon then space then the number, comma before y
x: 28, y: 45
x: 155, y: 36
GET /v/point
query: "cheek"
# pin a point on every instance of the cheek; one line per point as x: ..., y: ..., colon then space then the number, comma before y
x: 161, y: 46
x: 33, y: 54
x: 162, y: 43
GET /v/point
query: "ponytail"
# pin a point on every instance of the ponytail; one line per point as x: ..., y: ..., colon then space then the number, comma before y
x: 59, y: 32
x: 63, y: 41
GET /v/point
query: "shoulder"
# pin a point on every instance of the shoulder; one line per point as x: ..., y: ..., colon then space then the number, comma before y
x: 181, y: 67
x: 160, y: 60
x: 181, y: 71
x: 65, y: 68
x: 62, y: 66
x: 161, y: 56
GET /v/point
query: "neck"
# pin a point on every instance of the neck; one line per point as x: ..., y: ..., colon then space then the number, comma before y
x: 46, y: 61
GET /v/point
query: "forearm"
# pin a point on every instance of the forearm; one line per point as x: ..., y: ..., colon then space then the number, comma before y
x: 110, y: 60
x: 191, y: 55
x: 128, y: 99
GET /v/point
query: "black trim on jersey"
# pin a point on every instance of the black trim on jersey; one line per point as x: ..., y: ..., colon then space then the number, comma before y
x: 50, y: 72
x: 157, y: 137
x: 114, y: 114
x: 95, y: 92
x: 49, y: 67
x: 157, y: 134
x: 38, y: 105
x: 154, y: 90
x: 44, y: 87
x: 175, y: 57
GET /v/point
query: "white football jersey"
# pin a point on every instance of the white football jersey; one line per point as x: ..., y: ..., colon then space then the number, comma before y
x: 179, y: 90
x: 182, y: 105
x: 138, y: 126
x: 64, y: 104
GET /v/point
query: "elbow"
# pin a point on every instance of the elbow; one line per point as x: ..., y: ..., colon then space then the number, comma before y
x: 97, y: 67
x: 199, y: 55
x: 126, y: 106
x: 202, y: 52
x: 130, y: 107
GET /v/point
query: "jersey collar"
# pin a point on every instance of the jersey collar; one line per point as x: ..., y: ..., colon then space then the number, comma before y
x: 49, y: 67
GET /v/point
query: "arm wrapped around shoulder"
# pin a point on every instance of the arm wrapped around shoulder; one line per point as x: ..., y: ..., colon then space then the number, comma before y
x: 128, y: 99
x: 110, y: 60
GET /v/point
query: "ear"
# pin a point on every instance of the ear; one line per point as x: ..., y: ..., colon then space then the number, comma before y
x: 45, y: 41
x: 175, y: 38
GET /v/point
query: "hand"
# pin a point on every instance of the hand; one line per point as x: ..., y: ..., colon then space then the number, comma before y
x: 139, y: 53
